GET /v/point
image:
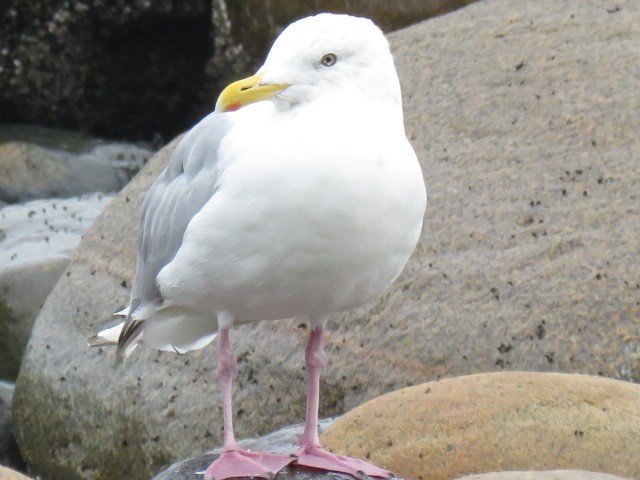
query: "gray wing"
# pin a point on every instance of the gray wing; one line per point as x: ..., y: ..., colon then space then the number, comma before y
x: 182, y: 189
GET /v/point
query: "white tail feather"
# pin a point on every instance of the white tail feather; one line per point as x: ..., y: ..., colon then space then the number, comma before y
x: 122, y: 313
x: 108, y: 336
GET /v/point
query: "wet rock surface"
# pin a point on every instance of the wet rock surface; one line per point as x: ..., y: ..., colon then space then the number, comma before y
x: 486, y: 422
x: 37, y: 239
x: 528, y: 259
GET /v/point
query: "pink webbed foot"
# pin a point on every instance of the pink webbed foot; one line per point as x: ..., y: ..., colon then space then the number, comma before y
x: 318, y: 457
x: 242, y: 464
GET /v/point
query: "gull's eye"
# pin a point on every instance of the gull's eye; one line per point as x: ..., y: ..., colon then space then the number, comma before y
x: 329, y: 59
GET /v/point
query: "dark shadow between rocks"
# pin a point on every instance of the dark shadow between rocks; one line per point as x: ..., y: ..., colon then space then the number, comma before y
x: 130, y: 71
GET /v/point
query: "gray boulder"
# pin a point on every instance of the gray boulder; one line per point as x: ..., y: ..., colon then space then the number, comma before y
x: 43, y: 163
x: 37, y: 239
x: 528, y: 260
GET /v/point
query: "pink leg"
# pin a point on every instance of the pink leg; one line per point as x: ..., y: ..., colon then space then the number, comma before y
x: 311, y: 453
x: 233, y: 461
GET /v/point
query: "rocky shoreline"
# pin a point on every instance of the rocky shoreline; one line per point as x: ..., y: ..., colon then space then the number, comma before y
x: 515, y: 326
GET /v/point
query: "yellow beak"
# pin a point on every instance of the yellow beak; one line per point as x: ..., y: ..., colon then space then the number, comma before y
x: 246, y: 91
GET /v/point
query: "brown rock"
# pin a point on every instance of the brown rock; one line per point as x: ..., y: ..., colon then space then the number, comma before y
x: 498, y: 281
x: 548, y: 475
x: 497, y: 421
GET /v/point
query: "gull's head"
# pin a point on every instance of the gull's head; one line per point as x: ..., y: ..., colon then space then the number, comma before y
x: 328, y: 56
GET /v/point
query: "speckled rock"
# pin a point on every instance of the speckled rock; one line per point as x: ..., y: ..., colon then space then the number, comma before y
x: 547, y: 475
x: 489, y: 422
x: 8, y: 474
x: 528, y: 260
x: 36, y: 242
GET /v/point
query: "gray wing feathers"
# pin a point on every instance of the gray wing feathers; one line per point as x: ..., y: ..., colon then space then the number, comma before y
x: 182, y: 189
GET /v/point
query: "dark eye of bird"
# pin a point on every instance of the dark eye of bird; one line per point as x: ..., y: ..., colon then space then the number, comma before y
x: 329, y: 59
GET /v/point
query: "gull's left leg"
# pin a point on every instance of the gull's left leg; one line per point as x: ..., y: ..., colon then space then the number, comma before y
x: 311, y: 453
x: 235, y: 462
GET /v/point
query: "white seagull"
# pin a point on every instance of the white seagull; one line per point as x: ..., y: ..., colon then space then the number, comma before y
x: 299, y: 196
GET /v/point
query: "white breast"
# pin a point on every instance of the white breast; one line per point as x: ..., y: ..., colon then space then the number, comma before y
x: 297, y: 232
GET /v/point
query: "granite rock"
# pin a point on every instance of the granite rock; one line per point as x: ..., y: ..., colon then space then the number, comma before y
x: 494, y: 421
x: 528, y: 261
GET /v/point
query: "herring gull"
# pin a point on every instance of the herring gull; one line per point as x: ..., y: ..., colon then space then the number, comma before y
x: 298, y: 196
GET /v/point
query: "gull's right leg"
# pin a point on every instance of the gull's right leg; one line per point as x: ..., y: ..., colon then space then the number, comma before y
x: 235, y: 462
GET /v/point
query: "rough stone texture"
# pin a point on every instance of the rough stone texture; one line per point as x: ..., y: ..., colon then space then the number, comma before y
x: 8, y: 474
x: 36, y: 242
x: 548, y: 475
x: 146, y: 68
x: 42, y: 163
x: 508, y: 104
x: 244, y: 31
x: 489, y: 422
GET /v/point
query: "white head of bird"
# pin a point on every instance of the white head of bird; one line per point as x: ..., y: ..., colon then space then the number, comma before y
x: 339, y: 58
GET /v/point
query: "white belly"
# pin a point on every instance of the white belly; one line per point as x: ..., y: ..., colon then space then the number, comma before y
x: 299, y: 237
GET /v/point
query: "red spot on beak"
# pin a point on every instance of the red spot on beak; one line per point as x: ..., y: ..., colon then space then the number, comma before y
x: 232, y: 107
